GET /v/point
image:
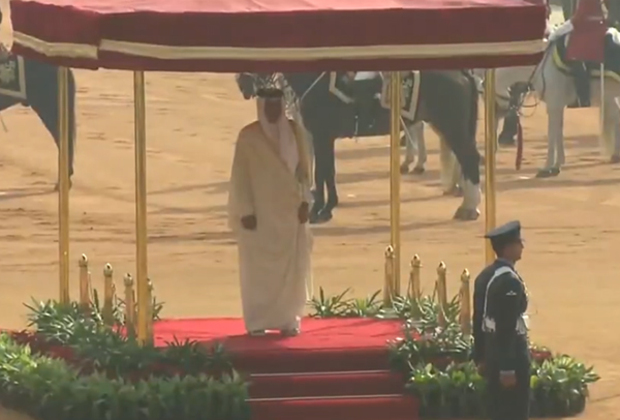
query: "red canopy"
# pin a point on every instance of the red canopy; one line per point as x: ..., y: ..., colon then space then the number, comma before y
x: 282, y: 35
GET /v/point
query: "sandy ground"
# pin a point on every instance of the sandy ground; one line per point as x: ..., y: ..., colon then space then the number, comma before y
x: 571, y: 222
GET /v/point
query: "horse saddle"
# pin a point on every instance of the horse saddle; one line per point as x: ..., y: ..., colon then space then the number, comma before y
x: 361, y: 90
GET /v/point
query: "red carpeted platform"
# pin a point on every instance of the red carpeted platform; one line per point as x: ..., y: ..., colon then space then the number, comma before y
x: 324, y: 345
x: 336, y: 369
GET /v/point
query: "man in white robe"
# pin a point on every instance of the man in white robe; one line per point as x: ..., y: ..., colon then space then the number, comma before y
x: 268, y: 211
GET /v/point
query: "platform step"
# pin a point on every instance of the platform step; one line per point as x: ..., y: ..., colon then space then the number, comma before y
x: 326, y: 384
x: 314, y: 360
x: 359, y: 408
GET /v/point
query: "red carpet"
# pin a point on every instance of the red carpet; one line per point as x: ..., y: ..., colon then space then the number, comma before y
x: 336, y: 369
x: 324, y: 345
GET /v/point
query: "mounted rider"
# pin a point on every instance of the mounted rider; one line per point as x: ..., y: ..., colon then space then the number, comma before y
x: 586, y: 44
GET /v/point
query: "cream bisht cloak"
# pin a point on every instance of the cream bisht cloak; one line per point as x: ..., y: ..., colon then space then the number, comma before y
x: 274, y: 259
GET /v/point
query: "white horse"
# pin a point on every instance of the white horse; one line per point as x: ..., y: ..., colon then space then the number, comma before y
x: 557, y: 90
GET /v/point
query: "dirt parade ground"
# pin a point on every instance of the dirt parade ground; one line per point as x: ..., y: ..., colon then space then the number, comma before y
x: 571, y: 223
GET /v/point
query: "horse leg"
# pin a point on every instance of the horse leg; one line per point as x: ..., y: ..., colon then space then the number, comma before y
x: 458, y: 180
x: 310, y: 144
x: 319, y: 177
x: 450, y: 169
x: 610, y: 146
x: 325, y: 214
x: 555, y: 142
x: 418, y: 132
x: 414, y: 143
x: 615, y: 158
x: 411, y: 144
x: 511, y: 122
x: 469, y: 160
x: 45, y: 104
x: 511, y: 118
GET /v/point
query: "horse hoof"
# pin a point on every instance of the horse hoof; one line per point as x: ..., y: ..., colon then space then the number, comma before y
x: 314, y: 212
x: 506, y: 140
x: 323, y: 216
x: 547, y: 173
x: 466, y: 214
x: 418, y: 170
x: 57, y: 186
x: 404, y: 168
x: 313, y: 217
x: 507, y: 144
x: 454, y: 192
x: 615, y: 159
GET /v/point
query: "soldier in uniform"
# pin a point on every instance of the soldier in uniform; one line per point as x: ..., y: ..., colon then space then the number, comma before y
x: 500, y: 333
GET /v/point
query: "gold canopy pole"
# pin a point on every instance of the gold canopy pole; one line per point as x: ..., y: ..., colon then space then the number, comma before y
x: 63, y: 183
x: 395, y: 105
x: 490, y: 145
x: 142, y: 286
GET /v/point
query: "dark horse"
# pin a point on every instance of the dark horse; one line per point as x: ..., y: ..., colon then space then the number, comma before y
x: 35, y: 84
x: 448, y: 101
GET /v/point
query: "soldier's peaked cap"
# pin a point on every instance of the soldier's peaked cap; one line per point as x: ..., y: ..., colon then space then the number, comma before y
x: 270, y: 93
x: 505, y: 234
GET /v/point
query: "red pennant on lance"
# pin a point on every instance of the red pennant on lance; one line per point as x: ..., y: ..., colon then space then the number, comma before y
x: 587, y: 40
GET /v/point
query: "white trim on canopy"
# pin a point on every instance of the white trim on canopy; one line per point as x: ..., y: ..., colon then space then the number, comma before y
x: 164, y: 52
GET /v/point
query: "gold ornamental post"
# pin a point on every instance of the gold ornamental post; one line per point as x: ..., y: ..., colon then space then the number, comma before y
x: 395, y: 102
x: 465, y: 313
x: 490, y: 146
x: 388, y: 284
x: 441, y: 285
x: 63, y: 183
x: 142, y: 287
